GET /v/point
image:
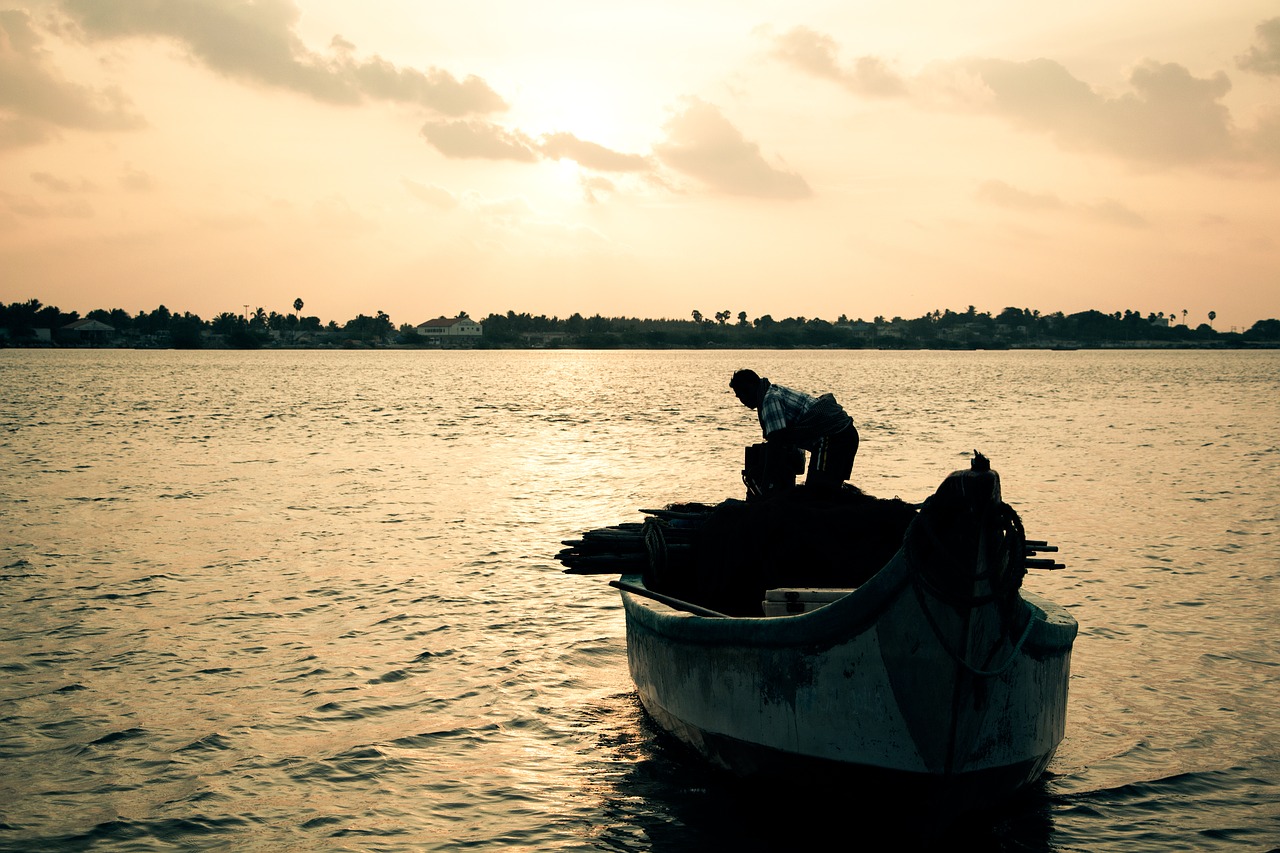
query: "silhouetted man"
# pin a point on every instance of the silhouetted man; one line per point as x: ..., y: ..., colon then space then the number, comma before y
x: 816, y: 424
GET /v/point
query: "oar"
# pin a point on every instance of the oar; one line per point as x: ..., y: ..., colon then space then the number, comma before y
x: 686, y: 606
x: 585, y: 566
x: 633, y: 544
x: 674, y: 513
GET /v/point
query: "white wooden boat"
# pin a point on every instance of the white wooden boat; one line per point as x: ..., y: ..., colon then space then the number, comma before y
x: 938, y: 679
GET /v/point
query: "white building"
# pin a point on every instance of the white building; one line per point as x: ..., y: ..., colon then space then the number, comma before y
x: 445, y: 327
x: 88, y: 331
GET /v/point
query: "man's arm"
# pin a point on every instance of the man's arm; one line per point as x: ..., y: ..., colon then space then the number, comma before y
x: 785, y: 435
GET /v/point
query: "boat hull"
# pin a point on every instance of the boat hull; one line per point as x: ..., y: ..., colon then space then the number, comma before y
x: 868, y: 688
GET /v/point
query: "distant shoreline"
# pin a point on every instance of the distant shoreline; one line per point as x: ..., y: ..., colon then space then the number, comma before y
x: 31, y: 323
x: 1073, y: 347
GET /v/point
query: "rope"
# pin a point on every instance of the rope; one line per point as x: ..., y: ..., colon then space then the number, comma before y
x: 973, y: 670
x: 1009, y: 527
x: 655, y: 543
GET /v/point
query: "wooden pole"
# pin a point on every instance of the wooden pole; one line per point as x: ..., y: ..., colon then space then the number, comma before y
x: 686, y: 606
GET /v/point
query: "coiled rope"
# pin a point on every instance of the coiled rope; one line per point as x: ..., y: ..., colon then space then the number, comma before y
x: 1004, y: 584
x: 655, y: 543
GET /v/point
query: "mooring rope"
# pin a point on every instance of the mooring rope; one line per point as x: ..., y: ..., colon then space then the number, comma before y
x: 1009, y: 526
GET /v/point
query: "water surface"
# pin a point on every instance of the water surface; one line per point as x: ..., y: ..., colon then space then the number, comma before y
x: 308, y: 600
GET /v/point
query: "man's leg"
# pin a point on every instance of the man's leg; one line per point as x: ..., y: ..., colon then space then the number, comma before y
x: 831, y: 462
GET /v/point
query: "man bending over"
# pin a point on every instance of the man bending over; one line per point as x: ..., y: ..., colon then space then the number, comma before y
x: 816, y: 424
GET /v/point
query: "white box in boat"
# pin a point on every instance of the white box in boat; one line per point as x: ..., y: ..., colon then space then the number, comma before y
x: 789, y: 601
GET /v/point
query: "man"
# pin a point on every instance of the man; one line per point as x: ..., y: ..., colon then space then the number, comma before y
x: 815, y: 424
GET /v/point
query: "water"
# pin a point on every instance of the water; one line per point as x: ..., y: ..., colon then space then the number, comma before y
x: 309, y: 601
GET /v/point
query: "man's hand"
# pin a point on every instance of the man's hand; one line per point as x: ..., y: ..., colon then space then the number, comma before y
x: 784, y: 435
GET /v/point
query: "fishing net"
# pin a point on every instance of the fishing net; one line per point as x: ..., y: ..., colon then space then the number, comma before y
x: 734, y: 551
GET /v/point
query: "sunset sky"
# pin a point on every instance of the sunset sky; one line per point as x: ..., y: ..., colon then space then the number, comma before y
x: 795, y: 158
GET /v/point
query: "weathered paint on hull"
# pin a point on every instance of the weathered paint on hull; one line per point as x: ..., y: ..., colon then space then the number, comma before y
x: 941, y: 796
x: 862, y: 685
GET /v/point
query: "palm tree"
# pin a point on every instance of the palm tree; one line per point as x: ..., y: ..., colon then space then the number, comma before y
x: 296, y: 317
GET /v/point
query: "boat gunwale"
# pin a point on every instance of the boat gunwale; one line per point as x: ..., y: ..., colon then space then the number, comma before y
x: 1052, y: 632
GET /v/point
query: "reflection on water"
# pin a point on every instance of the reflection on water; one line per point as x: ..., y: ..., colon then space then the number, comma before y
x: 309, y: 599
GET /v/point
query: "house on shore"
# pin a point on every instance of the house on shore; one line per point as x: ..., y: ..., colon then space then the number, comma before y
x: 455, y: 331
x: 86, y: 332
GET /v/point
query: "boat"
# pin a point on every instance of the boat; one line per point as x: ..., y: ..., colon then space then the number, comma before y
x: 936, y: 679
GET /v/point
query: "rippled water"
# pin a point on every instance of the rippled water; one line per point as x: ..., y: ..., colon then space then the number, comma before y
x: 309, y: 601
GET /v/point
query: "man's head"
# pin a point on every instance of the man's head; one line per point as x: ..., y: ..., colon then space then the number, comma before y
x: 746, y: 385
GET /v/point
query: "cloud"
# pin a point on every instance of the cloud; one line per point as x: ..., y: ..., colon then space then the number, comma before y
x: 508, y: 209
x: 873, y: 76
x: 255, y: 41
x: 1264, y: 139
x: 1265, y: 58
x: 431, y: 194
x: 1169, y: 116
x: 479, y: 140
x: 815, y: 53
x: 39, y: 101
x: 53, y: 183
x: 558, y: 146
x: 21, y: 132
x: 434, y: 88
x: 1117, y: 213
x: 336, y: 215
x: 29, y: 208
x: 702, y: 143
x: 136, y: 180
x: 1003, y: 195
x: 593, y: 186
x: 809, y: 51
x: 1039, y: 93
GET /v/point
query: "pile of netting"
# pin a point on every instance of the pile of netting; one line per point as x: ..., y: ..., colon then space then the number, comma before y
x: 725, y: 556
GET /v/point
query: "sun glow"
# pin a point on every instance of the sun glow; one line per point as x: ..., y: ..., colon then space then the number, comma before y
x: 568, y: 170
x: 583, y: 116
x: 585, y: 109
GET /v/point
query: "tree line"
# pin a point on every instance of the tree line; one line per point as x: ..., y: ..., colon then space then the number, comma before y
x: 940, y: 329
x: 249, y: 330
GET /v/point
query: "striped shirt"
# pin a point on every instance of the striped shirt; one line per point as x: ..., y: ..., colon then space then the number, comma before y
x: 809, y: 417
